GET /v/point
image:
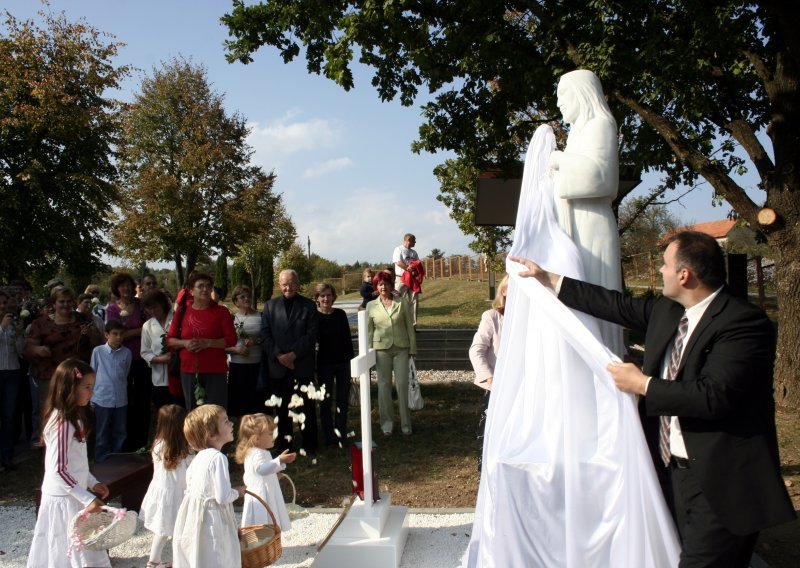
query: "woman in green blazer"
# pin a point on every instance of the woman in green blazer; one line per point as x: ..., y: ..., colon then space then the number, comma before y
x: 392, y: 336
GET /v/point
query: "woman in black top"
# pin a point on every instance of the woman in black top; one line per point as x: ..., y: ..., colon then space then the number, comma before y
x: 333, y: 363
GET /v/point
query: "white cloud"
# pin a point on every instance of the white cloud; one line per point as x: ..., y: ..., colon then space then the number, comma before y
x: 367, y: 224
x: 287, y: 135
x: 327, y: 166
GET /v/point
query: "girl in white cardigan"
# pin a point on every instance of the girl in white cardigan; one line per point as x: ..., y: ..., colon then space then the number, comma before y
x: 256, y: 436
x: 67, y: 480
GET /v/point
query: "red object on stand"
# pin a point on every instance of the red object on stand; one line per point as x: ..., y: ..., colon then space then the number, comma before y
x: 356, y: 454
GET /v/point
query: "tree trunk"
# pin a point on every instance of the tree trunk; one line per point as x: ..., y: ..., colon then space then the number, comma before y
x: 179, y: 270
x: 760, y: 282
x: 787, y: 287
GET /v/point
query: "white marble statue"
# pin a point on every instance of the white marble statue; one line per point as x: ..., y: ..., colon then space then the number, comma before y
x: 586, y: 180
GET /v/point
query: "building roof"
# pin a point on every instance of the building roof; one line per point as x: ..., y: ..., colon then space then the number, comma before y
x: 716, y: 229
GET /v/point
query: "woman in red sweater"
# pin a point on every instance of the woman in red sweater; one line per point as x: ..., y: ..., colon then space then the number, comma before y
x: 202, y: 331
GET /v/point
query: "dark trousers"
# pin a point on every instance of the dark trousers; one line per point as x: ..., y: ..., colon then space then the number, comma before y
x: 705, y: 542
x: 140, y: 392
x: 9, y: 387
x: 336, y: 379
x: 284, y: 389
x: 110, y: 424
x: 215, y: 385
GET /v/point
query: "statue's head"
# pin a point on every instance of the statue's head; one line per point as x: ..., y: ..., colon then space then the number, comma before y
x: 580, y: 97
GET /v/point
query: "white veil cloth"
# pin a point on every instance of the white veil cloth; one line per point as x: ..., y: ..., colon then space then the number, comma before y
x: 567, y: 477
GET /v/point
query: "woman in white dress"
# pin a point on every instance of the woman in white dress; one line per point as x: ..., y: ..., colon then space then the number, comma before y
x: 171, y: 458
x: 67, y: 480
x: 205, y: 530
x: 256, y: 436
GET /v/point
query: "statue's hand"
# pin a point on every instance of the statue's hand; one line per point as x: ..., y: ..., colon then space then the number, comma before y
x: 554, y: 161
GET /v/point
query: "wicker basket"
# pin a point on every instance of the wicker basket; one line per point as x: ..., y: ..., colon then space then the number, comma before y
x: 296, y: 512
x: 103, y: 530
x: 260, y: 544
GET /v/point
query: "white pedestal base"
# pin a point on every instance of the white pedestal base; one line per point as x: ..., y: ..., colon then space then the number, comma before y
x: 367, y: 539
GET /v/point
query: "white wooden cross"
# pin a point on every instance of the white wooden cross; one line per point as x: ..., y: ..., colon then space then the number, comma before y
x: 360, y: 367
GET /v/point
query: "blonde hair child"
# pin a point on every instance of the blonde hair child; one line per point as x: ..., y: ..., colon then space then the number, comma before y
x: 205, y: 530
x: 256, y: 436
x: 171, y: 458
x: 67, y: 479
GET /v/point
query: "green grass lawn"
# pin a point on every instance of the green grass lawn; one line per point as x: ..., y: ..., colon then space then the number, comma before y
x: 448, y: 303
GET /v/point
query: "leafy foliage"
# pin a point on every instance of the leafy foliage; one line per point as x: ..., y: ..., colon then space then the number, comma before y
x: 57, y: 130
x: 189, y: 188
x: 691, y: 85
x: 295, y: 258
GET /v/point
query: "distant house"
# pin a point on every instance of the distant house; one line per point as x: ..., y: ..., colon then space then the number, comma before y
x: 717, y: 229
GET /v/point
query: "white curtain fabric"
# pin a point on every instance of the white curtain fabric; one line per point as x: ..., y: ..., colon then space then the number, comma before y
x: 567, y: 477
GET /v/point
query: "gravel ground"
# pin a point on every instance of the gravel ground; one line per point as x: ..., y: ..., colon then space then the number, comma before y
x: 435, y: 540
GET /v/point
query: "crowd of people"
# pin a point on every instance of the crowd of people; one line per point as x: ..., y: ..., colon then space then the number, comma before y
x: 97, y: 371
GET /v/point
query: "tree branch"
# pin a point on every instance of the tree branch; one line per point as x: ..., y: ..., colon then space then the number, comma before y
x: 692, y: 158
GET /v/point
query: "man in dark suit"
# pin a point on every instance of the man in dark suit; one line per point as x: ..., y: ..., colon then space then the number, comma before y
x: 289, y: 332
x: 706, y: 398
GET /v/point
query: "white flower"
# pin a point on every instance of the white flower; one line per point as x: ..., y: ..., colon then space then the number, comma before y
x: 336, y: 431
x: 301, y: 417
x: 95, y: 301
x: 24, y: 314
x: 124, y: 314
x: 288, y: 437
x: 314, y: 461
x: 302, y: 426
x: 276, y: 419
x: 302, y: 452
x: 351, y: 434
x: 200, y: 402
x: 296, y: 401
x: 273, y: 401
x: 304, y: 388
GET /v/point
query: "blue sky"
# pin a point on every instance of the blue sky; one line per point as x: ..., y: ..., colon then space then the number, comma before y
x: 342, y: 159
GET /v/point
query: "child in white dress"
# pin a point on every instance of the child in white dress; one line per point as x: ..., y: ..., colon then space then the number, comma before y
x: 67, y: 480
x: 205, y: 531
x: 171, y: 457
x: 256, y: 436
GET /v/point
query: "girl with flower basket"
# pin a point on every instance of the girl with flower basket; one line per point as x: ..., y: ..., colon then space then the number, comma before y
x: 67, y: 480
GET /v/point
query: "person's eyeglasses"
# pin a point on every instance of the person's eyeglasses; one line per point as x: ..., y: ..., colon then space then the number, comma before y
x: 203, y: 286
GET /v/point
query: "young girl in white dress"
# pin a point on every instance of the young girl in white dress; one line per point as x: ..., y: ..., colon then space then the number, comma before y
x: 205, y: 531
x: 164, y: 496
x: 256, y: 436
x: 67, y: 480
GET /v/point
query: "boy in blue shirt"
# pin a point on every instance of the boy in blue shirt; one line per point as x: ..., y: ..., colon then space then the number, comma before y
x: 111, y: 362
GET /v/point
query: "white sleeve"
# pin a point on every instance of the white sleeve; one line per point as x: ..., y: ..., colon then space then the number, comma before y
x: 147, y: 351
x: 223, y: 492
x: 264, y: 466
x: 481, y: 352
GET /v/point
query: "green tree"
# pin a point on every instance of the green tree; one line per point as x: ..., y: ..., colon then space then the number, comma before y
x: 258, y: 251
x: 221, y: 274
x: 57, y: 128
x: 189, y: 187
x: 692, y: 84
x: 436, y: 254
x: 295, y: 258
x: 643, y: 222
x: 323, y: 268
